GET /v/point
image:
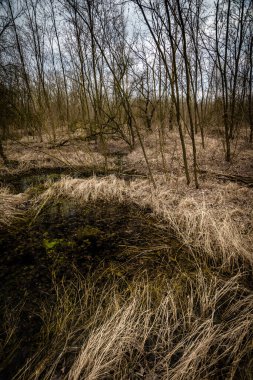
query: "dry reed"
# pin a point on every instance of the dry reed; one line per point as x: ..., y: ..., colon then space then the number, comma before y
x: 181, y: 328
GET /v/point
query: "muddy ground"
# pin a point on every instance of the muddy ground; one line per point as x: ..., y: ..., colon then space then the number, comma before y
x: 64, y: 239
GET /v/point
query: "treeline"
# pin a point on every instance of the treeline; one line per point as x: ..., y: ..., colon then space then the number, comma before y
x: 116, y: 68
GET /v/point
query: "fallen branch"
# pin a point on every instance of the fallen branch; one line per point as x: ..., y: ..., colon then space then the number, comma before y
x: 248, y: 181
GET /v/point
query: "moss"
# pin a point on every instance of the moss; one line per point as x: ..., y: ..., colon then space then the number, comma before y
x: 88, y: 232
x: 51, y: 245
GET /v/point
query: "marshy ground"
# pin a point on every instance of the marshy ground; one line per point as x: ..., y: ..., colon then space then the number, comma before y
x: 105, y: 277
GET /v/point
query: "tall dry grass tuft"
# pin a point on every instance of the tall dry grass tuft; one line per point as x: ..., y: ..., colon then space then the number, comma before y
x: 202, y: 221
x: 189, y: 327
x: 9, y: 203
x: 208, y: 230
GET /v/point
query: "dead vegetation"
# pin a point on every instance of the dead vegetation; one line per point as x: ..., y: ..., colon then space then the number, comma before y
x: 9, y: 206
x: 186, y: 317
x: 202, y: 221
x: 195, y: 325
x: 126, y: 179
x: 28, y: 155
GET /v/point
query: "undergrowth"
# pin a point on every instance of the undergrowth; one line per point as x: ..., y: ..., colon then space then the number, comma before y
x: 147, y: 315
x: 192, y: 326
x: 204, y: 224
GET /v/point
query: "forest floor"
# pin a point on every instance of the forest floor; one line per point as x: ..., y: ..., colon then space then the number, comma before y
x: 104, y: 276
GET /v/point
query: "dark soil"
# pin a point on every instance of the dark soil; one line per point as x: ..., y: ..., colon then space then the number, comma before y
x: 63, y: 238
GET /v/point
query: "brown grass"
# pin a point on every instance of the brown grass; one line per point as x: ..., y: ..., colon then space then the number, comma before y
x: 196, y: 324
x: 40, y: 155
x: 181, y: 328
x: 201, y: 219
x: 9, y: 206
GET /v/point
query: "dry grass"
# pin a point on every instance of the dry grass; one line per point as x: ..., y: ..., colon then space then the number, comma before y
x: 201, y: 219
x: 188, y: 327
x: 40, y: 155
x: 194, y: 324
x: 9, y: 206
x: 30, y: 153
